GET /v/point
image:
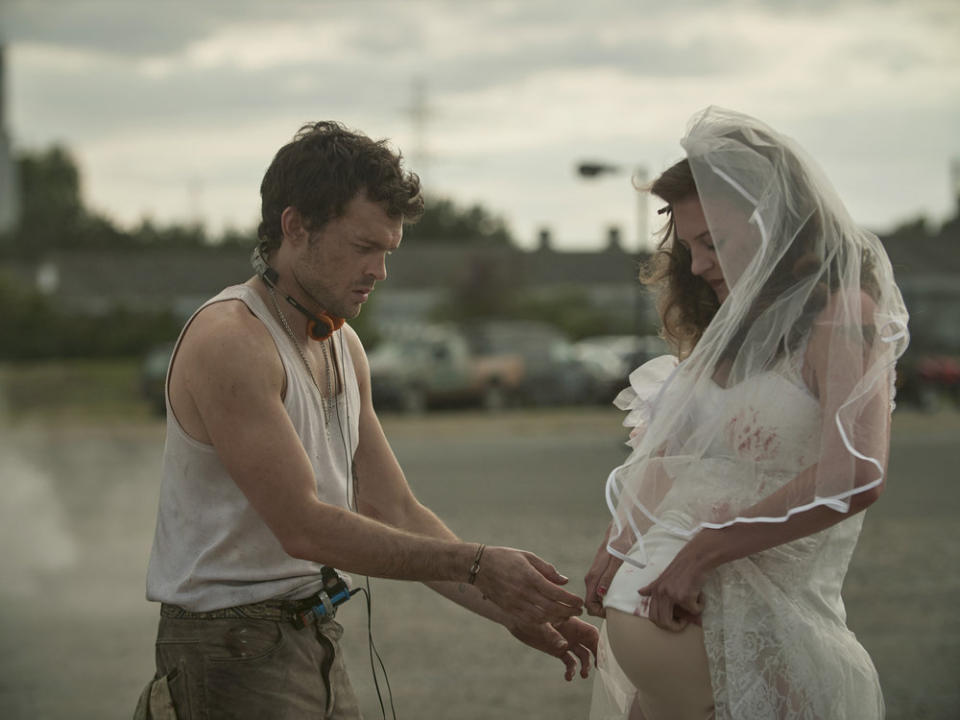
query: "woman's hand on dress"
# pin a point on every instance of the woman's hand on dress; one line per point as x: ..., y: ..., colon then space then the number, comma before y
x: 598, y: 579
x: 675, y: 597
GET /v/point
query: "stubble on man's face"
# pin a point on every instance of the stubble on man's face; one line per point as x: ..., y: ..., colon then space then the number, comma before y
x: 345, y: 259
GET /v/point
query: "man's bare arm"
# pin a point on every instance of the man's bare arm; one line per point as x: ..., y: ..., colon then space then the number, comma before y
x: 232, y: 374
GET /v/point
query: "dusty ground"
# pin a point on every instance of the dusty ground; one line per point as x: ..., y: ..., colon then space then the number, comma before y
x: 77, y: 519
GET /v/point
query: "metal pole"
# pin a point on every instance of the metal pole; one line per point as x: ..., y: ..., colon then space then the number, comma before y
x: 640, y: 178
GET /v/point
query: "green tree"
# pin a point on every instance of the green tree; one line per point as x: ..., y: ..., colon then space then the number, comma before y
x: 572, y: 312
x: 914, y: 230
x: 29, y: 326
x: 174, y: 235
x: 481, y: 290
x: 444, y: 221
x: 232, y: 238
x: 52, y: 214
x: 34, y: 328
x: 51, y: 206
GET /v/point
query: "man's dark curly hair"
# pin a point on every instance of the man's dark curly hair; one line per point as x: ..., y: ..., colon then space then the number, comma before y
x: 323, y: 168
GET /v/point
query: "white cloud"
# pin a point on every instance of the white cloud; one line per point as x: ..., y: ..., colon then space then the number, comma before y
x: 283, y: 44
x: 518, y: 92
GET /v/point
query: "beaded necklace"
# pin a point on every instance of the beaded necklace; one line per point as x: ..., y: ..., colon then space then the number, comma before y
x: 328, y: 401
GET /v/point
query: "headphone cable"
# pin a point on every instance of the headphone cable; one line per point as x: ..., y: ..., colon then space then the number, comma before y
x: 374, y: 653
x: 347, y: 440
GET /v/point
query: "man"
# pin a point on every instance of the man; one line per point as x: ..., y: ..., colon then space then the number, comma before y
x: 276, y: 465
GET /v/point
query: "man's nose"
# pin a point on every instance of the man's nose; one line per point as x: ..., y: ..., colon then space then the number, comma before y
x: 378, y: 267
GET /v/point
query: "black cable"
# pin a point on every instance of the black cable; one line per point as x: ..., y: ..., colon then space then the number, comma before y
x: 347, y: 440
x: 375, y: 653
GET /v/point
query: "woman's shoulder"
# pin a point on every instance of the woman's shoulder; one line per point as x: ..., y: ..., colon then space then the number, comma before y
x: 846, y: 305
x: 844, y: 325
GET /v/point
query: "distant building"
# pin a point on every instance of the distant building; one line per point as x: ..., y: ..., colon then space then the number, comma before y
x: 423, y: 275
x: 93, y: 282
x: 927, y: 269
x: 420, y: 280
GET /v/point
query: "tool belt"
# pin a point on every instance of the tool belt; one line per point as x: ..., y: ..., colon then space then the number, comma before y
x: 320, y: 607
x: 292, y: 611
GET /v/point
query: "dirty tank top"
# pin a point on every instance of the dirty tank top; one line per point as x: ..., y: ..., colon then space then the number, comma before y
x: 211, y: 548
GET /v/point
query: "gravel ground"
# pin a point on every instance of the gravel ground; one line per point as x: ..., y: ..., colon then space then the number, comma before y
x: 78, y: 513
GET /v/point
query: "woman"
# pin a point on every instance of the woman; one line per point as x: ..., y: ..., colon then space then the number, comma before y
x: 737, y: 511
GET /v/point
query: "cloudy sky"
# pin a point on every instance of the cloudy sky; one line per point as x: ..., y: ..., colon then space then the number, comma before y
x: 174, y: 109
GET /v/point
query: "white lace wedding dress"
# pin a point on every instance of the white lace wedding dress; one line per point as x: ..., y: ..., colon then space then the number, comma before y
x: 774, y: 623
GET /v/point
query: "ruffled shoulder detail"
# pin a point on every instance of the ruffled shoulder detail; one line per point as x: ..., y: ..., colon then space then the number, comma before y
x: 638, y: 399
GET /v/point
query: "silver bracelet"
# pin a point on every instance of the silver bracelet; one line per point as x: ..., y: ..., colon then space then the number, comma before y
x: 475, y: 568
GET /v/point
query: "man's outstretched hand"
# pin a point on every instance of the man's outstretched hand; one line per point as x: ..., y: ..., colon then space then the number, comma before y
x: 570, y: 640
x: 526, y: 587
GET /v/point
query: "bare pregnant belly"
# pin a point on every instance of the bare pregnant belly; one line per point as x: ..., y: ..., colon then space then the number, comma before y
x: 669, y: 669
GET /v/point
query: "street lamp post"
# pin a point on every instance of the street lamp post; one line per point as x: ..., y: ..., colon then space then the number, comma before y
x: 594, y: 169
x: 640, y: 176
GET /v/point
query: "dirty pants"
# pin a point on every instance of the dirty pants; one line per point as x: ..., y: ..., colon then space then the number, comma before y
x: 247, y: 662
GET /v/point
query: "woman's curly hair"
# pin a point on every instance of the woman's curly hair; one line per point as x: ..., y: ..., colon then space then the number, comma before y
x: 686, y: 303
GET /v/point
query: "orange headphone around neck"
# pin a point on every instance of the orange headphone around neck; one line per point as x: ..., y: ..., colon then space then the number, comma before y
x: 319, y: 327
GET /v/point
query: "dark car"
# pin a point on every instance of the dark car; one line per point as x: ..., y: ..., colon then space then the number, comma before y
x: 616, y: 356
x: 926, y: 380
x: 434, y: 365
x: 553, y: 374
x: 153, y: 376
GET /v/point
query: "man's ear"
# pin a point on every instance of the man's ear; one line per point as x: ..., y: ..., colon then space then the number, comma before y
x: 294, y: 229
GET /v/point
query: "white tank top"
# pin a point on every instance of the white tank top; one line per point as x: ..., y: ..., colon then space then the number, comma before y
x: 211, y: 549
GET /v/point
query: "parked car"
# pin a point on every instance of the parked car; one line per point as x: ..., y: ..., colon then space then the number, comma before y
x: 553, y: 373
x: 616, y: 356
x: 435, y: 365
x: 926, y: 380
x: 153, y: 376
